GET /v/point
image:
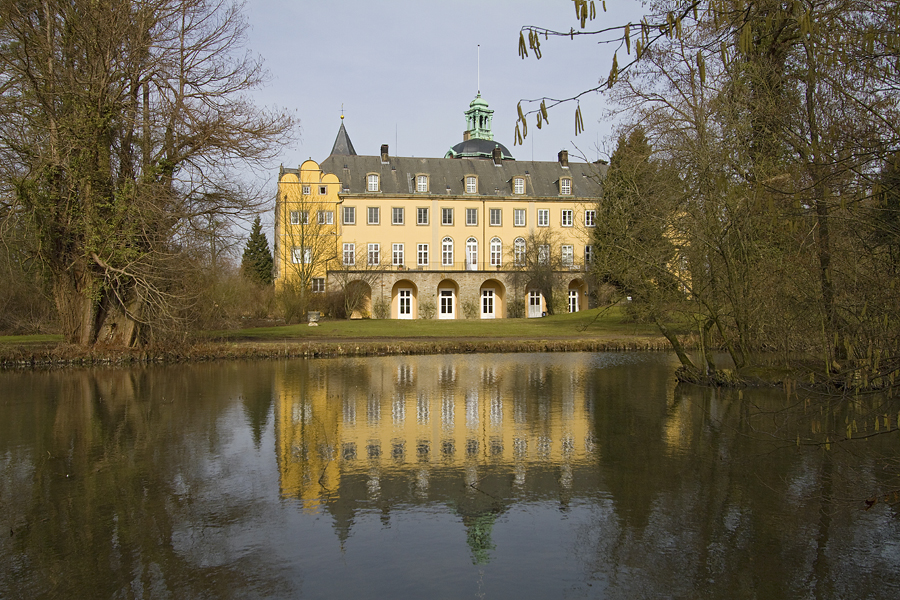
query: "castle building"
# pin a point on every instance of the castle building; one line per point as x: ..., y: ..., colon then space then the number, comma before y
x: 475, y: 234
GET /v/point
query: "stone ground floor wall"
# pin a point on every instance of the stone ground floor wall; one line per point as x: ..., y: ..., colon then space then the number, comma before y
x: 462, y: 294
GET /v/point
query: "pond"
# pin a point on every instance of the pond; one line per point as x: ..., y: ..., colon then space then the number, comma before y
x: 579, y: 475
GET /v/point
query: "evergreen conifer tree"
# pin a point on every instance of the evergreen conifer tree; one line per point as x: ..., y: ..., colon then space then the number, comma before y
x: 256, y: 263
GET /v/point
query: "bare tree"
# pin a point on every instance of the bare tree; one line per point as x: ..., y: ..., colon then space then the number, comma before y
x: 309, y: 238
x: 123, y: 123
x: 538, y: 264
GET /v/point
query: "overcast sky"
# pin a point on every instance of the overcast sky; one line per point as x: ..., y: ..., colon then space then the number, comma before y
x: 405, y: 71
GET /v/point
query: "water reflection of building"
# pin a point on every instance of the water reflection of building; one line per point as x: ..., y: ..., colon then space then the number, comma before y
x: 355, y: 435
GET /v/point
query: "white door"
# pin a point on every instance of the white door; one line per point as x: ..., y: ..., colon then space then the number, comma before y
x: 534, y: 304
x: 472, y: 254
x: 573, y: 301
x: 487, y: 304
x: 404, y: 306
x: 447, y: 308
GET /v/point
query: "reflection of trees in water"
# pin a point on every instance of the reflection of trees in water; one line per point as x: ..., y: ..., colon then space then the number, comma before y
x: 714, y: 503
x: 105, y: 510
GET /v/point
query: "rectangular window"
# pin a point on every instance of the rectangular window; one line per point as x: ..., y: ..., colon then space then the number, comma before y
x: 301, y: 255
x: 397, y: 215
x: 326, y: 217
x: 422, y: 255
x: 295, y: 217
x: 372, y: 183
x: 565, y: 186
x: 471, y: 184
x: 518, y: 185
x: 565, y: 217
x: 519, y: 217
x: 306, y: 190
x: 446, y: 216
x: 568, y: 255
x: 374, y: 254
x: 323, y: 190
x: 374, y: 215
x: 588, y: 255
x: 304, y: 217
x: 543, y: 217
x: 471, y: 216
x: 496, y: 217
x: 349, y: 215
x: 397, y: 255
x: 318, y: 285
x: 421, y: 216
x: 349, y: 254
x: 421, y: 183
x: 544, y: 254
x: 590, y: 218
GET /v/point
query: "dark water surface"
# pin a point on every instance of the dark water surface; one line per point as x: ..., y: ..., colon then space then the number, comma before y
x: 477, y: 476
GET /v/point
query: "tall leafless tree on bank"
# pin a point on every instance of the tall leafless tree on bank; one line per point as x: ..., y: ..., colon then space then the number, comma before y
x: 124, y: 122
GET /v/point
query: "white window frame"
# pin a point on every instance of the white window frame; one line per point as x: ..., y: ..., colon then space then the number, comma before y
x: 567, y: 252
x: 373, y: 254
x: 349, y: 254
x: 471, y: 184
x: 373, y: 211
x: 422, y: 184
x: 318, y: 285
x: 543, y: 255
x: 496, y: 252
x: 590, y: 218
x: 588, y: 254
x: 472, y: 253
x: 519, y: 217
x: 300, y: 255
x: 349, y: 215
x: 566, y: 218
x: 397, y: 255
x: 372, y: 182
x: 565, y: 186
x: 447, y: 251
x: 397, y: 215
x: 518, y: 185
x: 295, y: 217
x: 422, y: 216
x: 519, y: 249
x: 305, y: 190
x: 323, y: 190
x: 543, y: 217
x: 422, y: 255
x: 496, y: 217
x: 445, y: 213
x: 471, y: 217
x: 326, y: 217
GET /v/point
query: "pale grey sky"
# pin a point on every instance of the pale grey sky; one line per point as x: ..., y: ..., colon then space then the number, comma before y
x: 406, y: 70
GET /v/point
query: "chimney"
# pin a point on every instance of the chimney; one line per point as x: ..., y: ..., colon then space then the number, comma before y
x: 564, y: 158
x: 497, y: 155
x: 384, y: 154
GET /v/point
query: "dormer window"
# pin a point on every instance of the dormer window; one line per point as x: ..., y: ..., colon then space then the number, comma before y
x: 518, y: 185
x: 372, y: 182
x: 421, y: 183
x: 471, y: 184
x: 565, y: 186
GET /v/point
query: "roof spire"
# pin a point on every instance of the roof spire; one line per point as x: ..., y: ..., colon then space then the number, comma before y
x: 342, y: 143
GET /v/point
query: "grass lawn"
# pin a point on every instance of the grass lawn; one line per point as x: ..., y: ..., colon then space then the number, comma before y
x: 585, y: 324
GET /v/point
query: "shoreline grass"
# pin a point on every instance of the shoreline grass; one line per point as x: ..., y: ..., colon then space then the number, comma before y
x: 591, y: 331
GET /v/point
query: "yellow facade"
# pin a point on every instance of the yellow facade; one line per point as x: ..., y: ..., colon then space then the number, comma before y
x: 433, y: 237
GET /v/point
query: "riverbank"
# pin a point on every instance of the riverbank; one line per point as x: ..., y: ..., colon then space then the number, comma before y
x: 590, y: 331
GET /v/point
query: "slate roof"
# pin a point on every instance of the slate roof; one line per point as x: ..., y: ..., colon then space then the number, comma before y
x: 342, y: 143
x: 477, y: 147
x: 447, y: 176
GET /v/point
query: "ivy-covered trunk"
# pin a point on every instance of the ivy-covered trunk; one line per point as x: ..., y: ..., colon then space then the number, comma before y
x: 91, y: 313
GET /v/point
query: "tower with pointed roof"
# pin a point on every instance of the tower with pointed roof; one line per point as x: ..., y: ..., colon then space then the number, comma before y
x: 342, y: 144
